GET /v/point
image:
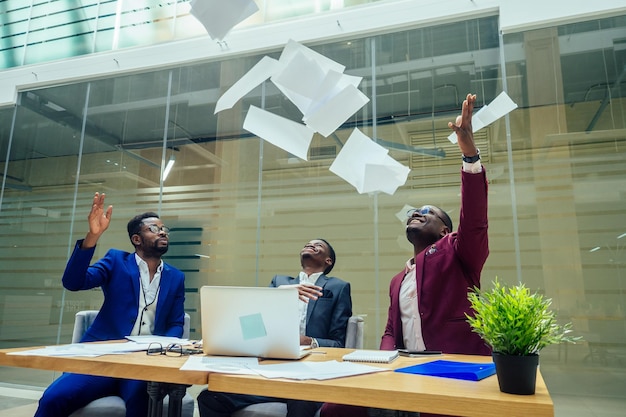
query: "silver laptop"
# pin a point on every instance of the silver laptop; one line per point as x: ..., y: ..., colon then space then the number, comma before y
x: 251, y: 321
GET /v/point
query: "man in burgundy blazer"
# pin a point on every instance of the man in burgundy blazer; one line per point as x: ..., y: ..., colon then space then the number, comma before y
x: 446, y: 265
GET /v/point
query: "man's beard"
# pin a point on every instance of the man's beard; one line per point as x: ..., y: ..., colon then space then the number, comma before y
x: 157, y: 250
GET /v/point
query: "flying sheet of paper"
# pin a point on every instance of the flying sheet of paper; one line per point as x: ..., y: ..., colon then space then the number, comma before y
x: 218, y: 16
x: 336, y: 111
x: 367, y: 166
x: 401, y: 215
x: 293, y: 137
x: 499, y: 107
x: 253, y: 78
x: 301, y: 74
x: 386, y: 178
x: 292, y: 48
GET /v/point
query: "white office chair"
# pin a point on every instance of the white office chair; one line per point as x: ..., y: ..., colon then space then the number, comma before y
x: 114, y: 406
x: 354, y: 340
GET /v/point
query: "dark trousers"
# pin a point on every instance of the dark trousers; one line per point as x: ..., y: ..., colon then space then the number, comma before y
x: 70, y: 392
x: 221, y: 404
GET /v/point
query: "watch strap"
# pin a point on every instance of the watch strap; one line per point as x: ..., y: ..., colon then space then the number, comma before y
x: 471, y: 159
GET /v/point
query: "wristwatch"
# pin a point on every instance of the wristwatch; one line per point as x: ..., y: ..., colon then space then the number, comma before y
x: 314, y: 344
x: 472, y: 159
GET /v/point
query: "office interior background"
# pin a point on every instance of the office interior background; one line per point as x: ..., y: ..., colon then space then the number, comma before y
x: 98, y: 96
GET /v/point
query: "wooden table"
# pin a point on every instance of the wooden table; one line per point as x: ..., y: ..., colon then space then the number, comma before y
x: 391, y: 390
x: 399, y: 391
x: 162, y: 373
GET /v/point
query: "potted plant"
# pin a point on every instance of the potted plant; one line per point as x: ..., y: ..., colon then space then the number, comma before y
x: 517, y: 324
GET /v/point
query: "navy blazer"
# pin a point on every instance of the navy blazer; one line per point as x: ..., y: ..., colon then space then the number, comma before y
x: 118, y: 276
x: 327, y: 317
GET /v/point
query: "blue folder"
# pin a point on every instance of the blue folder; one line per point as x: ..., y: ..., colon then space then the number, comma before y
x: 452, y: 369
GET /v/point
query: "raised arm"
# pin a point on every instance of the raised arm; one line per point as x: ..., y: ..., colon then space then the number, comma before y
x: 99, y: 221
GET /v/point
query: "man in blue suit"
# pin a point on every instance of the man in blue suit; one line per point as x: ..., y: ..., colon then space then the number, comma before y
x: 142, y: 296
x: 325, y: 309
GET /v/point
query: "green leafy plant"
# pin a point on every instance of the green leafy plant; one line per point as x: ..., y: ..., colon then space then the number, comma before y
x: 514, y: 321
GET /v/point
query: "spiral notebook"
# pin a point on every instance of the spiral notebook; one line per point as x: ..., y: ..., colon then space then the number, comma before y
x: 364, y: 355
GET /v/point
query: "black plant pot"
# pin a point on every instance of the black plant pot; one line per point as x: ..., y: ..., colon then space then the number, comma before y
x: 516, y: 374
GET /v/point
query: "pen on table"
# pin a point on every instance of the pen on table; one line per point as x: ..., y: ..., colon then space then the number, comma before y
x: 321, y: 352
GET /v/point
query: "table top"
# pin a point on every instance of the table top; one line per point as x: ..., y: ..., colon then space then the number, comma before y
x: 399, y: 391
x: 392, y: 390
x: 135, y: 365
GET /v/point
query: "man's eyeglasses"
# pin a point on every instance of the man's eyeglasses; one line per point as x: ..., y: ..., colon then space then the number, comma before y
x: 156, y: 229
x: 424, y: 211
x: 173, y: 349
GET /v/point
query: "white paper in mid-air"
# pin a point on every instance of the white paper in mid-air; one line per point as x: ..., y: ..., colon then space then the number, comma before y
x: 219, y: 16
x: 499, y: 107
x: 252, y: 79
x: 293, y: 137
x: 367, y: 166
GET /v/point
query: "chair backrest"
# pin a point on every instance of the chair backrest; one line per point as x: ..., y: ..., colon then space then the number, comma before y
x: 354, y: 332
x: 84, y: 319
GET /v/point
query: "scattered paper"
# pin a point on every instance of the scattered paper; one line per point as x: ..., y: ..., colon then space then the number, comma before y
x: 293, y: 137
x: 336, y: 110
x: 367, y: 166
x: 85, y: 349
x: 164, y: 340
x: 252, y: 79
x: 499, y: 107
x: 221, y: 364
x: 316, y: 370
x: 218, y: 16
x: 314, y: 83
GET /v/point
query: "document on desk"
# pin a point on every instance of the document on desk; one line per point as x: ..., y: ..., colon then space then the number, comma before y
x: 163, y: 340
x: 222, y: 364
x: 85, y: 349
x: 291, y: 370
x: 316, y: 370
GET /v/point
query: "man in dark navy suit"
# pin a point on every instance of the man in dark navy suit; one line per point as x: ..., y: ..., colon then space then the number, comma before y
x: 325, y: 309
x: 142, y: 296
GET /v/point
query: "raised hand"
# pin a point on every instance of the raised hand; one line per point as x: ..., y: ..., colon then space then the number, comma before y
x: 99, y: 220
x: 463, y: 127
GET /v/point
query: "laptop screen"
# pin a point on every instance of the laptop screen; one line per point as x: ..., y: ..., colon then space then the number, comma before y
x: 250, y: 321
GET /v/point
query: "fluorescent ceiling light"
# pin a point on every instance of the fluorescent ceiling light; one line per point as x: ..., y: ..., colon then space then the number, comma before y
x: 595, y: 249
x: 168, y: 167
x: 621, y: 236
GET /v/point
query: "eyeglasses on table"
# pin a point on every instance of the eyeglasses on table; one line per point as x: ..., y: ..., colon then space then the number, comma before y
x: 173, y: 349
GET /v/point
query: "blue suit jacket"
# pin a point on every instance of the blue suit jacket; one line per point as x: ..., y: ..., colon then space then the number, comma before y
x: 118, y: 276
x: 327, y: 317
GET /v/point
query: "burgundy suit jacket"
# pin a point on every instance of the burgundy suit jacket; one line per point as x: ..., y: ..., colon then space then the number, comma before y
x: 445, y: 272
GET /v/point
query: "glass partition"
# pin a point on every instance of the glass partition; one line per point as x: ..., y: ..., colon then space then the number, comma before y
x: 240, y: 208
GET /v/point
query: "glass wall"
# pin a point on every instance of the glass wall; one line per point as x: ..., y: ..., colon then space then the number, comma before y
x: 241, y: 208
x: 35, y: 31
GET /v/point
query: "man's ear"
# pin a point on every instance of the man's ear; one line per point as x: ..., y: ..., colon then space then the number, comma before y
x: 444, y: 231
x: 328, y: 261
x: 136, y: 239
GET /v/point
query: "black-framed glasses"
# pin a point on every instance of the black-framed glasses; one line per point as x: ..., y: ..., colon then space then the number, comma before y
x: 424, y: 211
x: 173, y: 349
x: 156, y: 229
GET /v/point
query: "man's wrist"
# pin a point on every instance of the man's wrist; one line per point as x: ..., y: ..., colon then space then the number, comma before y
x: 314, y: 344
x: 471, y: 159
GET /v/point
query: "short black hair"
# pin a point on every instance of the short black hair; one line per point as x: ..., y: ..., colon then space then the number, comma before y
x: 446, y: 218
x: 332, y: 255
x: 134, y: 224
